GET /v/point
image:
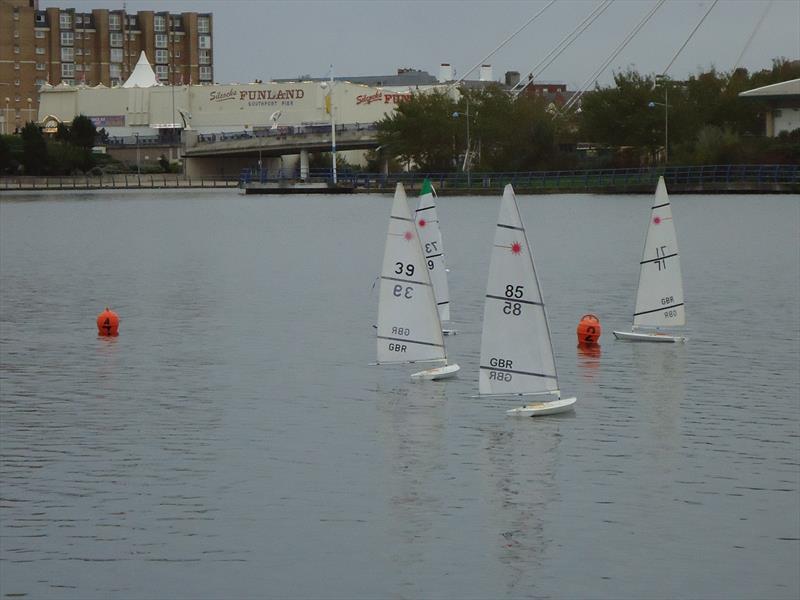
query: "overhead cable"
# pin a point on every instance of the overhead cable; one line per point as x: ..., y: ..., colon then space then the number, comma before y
x: 572, y: 101
x: 696, y: 27
x: 503, y: 43
x: 560, y: 47
x: 752, y: 35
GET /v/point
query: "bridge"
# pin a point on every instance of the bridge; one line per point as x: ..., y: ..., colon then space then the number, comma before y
x: 230, y: 152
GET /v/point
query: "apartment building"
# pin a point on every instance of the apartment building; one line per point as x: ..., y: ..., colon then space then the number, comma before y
x: 52, y: 45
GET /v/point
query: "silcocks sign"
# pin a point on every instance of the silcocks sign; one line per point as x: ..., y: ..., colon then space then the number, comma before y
x: 380, y: 96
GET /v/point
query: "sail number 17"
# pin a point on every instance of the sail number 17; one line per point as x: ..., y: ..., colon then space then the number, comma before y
x: 661, y: 253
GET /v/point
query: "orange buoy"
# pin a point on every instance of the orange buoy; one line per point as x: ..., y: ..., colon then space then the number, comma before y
x: 108, y: 323
x: 589, y: 330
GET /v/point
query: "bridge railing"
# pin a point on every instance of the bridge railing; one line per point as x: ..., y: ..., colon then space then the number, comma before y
x: 588, y: 179
x: 282, y: 131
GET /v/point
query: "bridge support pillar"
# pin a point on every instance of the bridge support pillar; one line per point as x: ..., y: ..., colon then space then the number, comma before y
x: 304, y: 165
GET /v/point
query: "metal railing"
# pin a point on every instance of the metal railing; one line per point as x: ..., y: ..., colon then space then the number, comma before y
x: 281, y: 131
x: 579, y: 180
x: 115, y: 181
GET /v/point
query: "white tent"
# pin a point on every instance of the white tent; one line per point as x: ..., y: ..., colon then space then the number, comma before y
x: 142, y: 75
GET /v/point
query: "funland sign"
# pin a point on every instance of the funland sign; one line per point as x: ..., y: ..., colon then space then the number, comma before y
x: 285, y: 97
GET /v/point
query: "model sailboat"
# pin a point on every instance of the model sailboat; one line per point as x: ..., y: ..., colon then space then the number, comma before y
x: 430, y: 236
x: 659, y: 300
x: 516, y: 349
x: 409, y: 329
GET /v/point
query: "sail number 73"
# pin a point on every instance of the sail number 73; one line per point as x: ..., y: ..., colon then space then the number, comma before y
x: 509, y: 306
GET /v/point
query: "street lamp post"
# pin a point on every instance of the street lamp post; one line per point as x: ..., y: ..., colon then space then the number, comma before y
x: 5, y: 120
x: 138, y: 170
x: 663, y: 79
x: 466, y: 164
x: 324, y: 85
x: 30, y: 111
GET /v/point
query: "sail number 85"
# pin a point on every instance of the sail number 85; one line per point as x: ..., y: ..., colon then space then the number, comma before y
x: 513, y: 308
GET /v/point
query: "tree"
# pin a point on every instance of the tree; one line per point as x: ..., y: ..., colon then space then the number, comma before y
x: 5, y: 155
x: 620, y: 116
x: 421, y: 131
x: 83, y: 132
x: 34, y: 150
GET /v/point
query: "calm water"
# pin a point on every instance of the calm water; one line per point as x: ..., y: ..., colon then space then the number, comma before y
x: 233, y: 442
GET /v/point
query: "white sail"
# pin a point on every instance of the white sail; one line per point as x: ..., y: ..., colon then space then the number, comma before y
x: 409, y: 329
x: 516, y: 350
x: 659, y: 300
x: 430, y: 236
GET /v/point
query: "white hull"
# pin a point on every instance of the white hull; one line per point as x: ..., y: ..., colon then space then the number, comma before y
x: 633, y: 336
x: 537, y: 409
x: 437, y: 373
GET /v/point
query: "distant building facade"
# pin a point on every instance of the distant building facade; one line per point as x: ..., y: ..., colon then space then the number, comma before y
x: 53, y: 46
x: 783, y: 100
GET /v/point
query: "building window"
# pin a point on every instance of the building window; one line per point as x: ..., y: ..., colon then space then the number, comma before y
x: 39, y: 83
x: 176, y: 22
x: 78, y: 52
x: 39, y: 34
x: 115, y: 71
x: 204, y: 58
x: 40, y: 66
x: 79, y: 67
x: 16, y: 82
x: 65, y: 20
x: 16, y: 33
x: 114, y: 22
x: 177, y: 53
x: 205, y: 73
x: 115, y: 40
x: 161, y: 40
x: 132, y: 21
x: 116, y: 55
x: 78, y: 19
x: 161, y: 56
x: 16, y: 13
x: 67, y: 54
x: 204, y: 41
x: 16, y: 49
x: 68, y: 81
x: 87, y: 52
x: 203, y: 25
x: 159, y: 23
x: 78, y: 35
x: 67, y: 70
x: 161, y: 72
x: 66, y: 38
x: 39, y: 50
x: 16, y: 66
x: 41, y: 17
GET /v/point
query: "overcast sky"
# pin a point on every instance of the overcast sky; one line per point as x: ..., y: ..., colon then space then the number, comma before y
x: 257, y: 39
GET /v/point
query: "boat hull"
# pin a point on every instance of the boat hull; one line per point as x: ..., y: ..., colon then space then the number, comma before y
x: 538, y: 409
x: 437, y: 373
x: 633, y: 336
